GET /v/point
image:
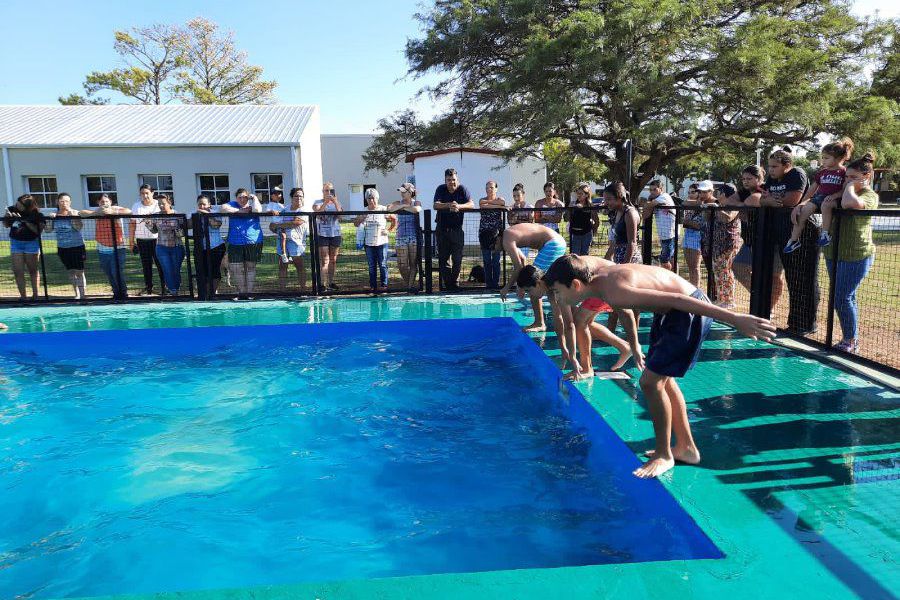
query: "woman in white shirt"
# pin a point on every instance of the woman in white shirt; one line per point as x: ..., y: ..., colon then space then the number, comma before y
x: 293, y: 247
x: 376, y: 239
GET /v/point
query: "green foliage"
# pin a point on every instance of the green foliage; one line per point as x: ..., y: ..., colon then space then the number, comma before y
x: 79, y: 100
x: 216, y: 72
x: 567, y: 169
x: 194, y: 63
x: 872, y: 122
x: 677, y: 78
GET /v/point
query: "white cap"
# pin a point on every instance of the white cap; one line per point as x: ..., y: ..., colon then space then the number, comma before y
x: 705, y: 186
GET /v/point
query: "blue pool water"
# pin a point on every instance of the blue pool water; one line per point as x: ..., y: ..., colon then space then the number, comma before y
x: 203, y: 458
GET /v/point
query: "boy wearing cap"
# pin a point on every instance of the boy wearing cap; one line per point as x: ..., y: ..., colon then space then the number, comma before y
x: 682, y: 318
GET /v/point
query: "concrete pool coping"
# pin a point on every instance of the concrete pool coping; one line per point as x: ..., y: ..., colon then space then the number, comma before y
x: 737, y: 506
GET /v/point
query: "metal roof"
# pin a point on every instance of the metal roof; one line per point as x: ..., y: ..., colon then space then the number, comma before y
x: 143, y: 125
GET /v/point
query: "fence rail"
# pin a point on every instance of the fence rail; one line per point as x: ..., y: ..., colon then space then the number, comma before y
x: 736, y: 255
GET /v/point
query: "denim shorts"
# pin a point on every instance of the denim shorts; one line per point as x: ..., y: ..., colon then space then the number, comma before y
x: 292, y: 249
x: 330, y: 242
x: 21, y: 247
x: 691, y: 239
x: 818, y: 199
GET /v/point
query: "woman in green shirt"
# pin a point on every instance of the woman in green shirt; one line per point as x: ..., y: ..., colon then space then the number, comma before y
x: 849, y: 263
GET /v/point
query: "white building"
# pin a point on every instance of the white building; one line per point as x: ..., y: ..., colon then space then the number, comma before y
x: 475, y: 167
x: 182, y: 150
x: 343, y: 165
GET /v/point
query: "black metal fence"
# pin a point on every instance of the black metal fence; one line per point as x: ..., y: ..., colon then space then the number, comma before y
x: 735, y: 253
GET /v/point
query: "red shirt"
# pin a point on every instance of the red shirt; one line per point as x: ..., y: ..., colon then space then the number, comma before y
x: 831, y: 181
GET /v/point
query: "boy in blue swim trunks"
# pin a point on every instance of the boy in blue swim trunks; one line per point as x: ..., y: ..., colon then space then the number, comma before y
x: 550, y: 246
x: 682, y: 318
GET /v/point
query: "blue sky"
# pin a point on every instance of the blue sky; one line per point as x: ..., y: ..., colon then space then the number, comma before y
x: 345, y: 55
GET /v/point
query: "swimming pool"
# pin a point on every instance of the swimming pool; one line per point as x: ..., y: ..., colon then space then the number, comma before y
x: 187, y: 459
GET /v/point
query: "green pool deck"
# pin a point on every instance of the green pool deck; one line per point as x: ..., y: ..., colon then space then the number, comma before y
x: 798, y: 485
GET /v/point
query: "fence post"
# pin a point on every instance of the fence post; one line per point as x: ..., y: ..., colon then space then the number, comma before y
x: 314, y: 250
x: 832, y: 272
x: 710, y: 271
x: 679, y: 218
x: 201, y: 270
x: 188, y: 257
x: 647, y: 239
x: 43, y: 267
x: 762, y: 264
x: 504, y: 221
x: 429, y: 253
x: 115, y: 241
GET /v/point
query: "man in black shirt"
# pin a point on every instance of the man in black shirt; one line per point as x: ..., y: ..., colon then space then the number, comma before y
x: 450, y: 199
x: 783, y: 189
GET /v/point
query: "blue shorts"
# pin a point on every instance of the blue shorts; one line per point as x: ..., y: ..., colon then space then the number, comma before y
x: 548, y: 254
x: 293, y: 249
x: 666, y: 250
x: 818, y: 199
x: 20, y: 247
x: 691, y: 239
x: 675, y: 340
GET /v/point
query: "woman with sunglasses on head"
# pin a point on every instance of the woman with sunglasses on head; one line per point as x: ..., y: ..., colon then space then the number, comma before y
x: 409, y: 235
x: 328, y: 231
x: 69, y: 242
x: 25, y: 223
x: 170, y: 243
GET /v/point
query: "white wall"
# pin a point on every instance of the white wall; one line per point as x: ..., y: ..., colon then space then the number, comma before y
x: 343, y: 165
x: 183, y: 163
x: 309, y: 157
x: 475, y: 169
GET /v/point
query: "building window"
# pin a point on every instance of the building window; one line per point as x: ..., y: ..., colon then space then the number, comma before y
x: 263, y: 182
x: 43, y: 188
x: 97, y: 185
x: 161, y: 184
x: 215, y: 187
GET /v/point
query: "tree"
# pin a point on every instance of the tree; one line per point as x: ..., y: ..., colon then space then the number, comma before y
x: 872, y: 122
x: 675, y: 78
x: 216, y: 72
x: 79, y: 100
x: 886, y: 79
x: 152, y: 56
x: 193, y: 63
x: 567, y: 169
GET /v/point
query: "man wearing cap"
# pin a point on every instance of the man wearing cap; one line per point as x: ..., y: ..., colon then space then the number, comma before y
x: 409, y: 235
x: 450, y: 199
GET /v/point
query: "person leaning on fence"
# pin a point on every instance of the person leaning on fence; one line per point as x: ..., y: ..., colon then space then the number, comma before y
x: 691, y: 241
x: 25, y: 223
x: 209, y: 259
x: 849, y: 263
x: 328, y: 233
x: 724, y: 245
x: 275, y: 206
x: 111, y: 247
x: 519, y: 211
x: 70, y: 246
x: 783, y: 190
x: 292, y: 231
x: 583, y: 222
x: 375, y: 239
x: 142, y: 241
x: 549, y: 218
x: 827, y: 187
x: 490, y: 228
x: 748, y: 195
x: 245, y: 239
x: 451, y: 198
x: 169, y: 243
x: 409, y: 235
x: 662, y: 207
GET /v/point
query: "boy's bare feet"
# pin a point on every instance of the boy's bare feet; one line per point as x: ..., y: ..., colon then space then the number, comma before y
x: 654, y: 468
x: 624, y: 355
x: 535, y: 327
x: 689, y: 456
x: 574, y: 375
